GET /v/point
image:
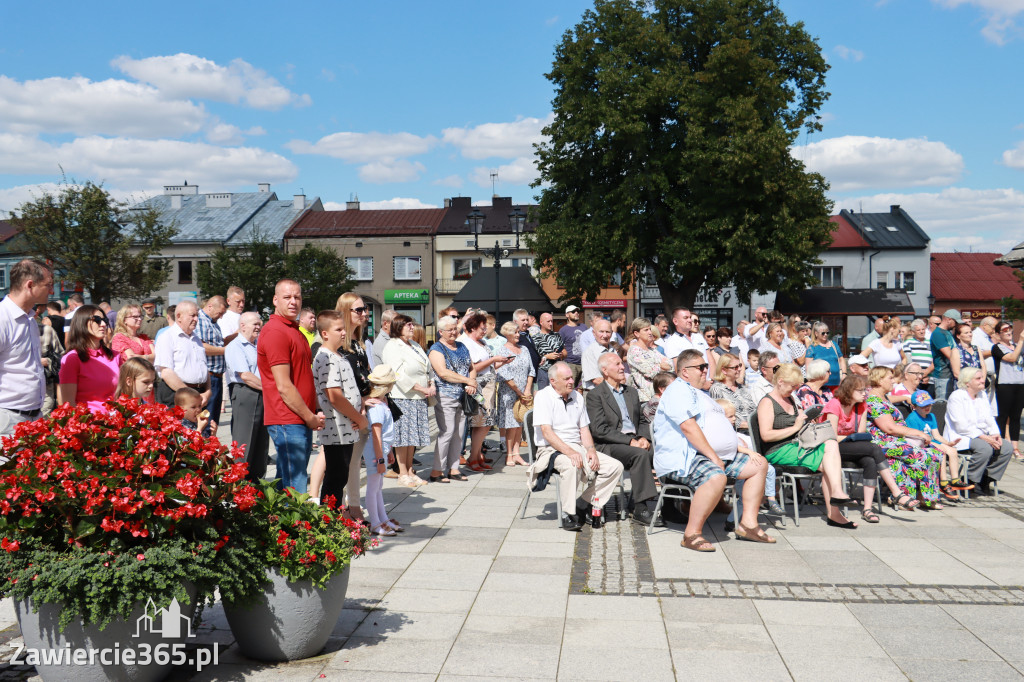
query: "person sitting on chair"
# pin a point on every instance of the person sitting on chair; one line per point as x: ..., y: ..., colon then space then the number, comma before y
x: 621, y: 431
x: 562, y: 434
x: 683, y: 454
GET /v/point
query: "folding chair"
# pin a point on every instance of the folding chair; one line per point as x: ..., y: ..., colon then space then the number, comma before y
x: 669, y: 489
x: 787, y: 476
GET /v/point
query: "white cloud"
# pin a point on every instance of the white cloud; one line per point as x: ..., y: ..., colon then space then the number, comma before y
x: 225, y: 133
x: 130, y: 162
x: 381, y: 172
x: 853, y: 162
x: 188, y: 76
x: 387, y: 204
x: 848, y: 53
x: 363, y: 147
x: 1001, y: 16
x: 84, y: 107
x: 1014, y: 158
x: 13, y: 197
x: 505, y: 140
x: 522, y: 171
x: 957, y: 218
x: 449, y: 181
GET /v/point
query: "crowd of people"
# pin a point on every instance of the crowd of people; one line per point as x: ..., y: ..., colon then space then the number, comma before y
x: 662, y: 399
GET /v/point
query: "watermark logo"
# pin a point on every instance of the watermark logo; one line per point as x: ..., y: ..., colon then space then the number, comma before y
x: 170, y: 623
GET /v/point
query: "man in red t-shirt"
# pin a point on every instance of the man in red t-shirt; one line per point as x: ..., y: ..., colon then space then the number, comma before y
x: 289, y: 395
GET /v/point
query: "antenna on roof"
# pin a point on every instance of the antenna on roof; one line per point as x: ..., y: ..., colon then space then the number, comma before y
x: 861, y: 206
x: 494, y: 179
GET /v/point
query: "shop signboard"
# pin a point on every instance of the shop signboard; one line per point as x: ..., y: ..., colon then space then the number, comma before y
x: 407, y: 296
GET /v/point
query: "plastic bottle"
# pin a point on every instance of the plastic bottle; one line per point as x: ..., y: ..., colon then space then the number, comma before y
x: 595, y: 515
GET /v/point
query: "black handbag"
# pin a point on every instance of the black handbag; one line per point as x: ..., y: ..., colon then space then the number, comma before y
x: 470, y: 406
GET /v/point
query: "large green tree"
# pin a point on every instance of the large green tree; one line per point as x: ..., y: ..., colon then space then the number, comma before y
x: 257, y: 265
x: 670, y: 150
x: 92, y: 239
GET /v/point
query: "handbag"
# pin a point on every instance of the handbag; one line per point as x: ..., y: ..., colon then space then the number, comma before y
x: 470, y: 406
x: 813, y: 434
x: 521, y: 407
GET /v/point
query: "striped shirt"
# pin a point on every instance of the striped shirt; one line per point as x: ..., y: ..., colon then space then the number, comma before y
x: 919, y: 352
x: 547, y: 343
x: 210, y: 334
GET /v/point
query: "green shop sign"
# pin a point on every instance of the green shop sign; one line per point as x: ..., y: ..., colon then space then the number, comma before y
x: 407, y: 296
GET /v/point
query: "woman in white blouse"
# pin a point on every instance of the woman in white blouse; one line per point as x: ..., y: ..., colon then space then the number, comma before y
x: 887, y: 350
x: 485, y: 363
x: 413, y: 387
x: 969, y: 418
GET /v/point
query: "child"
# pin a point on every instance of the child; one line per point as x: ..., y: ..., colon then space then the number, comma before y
x: 380, y: 441
x: 923, y: 420
x: 338, y: 396
x: 753, y: 366
x: 191, y: 404
x: 660, y: 383
x: 136, y: 380
x: 744, y: 447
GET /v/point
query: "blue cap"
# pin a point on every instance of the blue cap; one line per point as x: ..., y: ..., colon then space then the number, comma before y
x: 921, y: 399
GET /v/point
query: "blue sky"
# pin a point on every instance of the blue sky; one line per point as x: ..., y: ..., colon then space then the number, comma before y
x: 407, y: 105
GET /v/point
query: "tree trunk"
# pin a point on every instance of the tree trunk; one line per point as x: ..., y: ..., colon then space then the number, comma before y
x: 681, y: 296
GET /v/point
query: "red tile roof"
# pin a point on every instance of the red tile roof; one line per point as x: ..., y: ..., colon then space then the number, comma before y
x: 846, y: 236
x: 7, y: 230
x: 367, y: 223
x: 972, y: 277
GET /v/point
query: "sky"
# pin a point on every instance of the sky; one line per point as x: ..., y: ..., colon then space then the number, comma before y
x: 402, y: 104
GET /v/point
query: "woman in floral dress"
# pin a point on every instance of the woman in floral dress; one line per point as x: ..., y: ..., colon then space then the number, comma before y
x: 914, y: 464
x: 515, y: 380
x: 643, y: 359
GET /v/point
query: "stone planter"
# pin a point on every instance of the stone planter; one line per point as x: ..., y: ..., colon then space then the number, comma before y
x: 42, y: 633
x: 290, y: 620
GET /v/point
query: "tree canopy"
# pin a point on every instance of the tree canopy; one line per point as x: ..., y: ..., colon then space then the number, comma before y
x: 257, y: 266
x: 92, y: 239
x: 670, y: 150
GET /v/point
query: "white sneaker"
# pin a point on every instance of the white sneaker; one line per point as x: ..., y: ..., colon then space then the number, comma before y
x: 315, y: 500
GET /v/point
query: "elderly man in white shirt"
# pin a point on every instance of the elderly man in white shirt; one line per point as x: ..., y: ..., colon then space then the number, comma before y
x: 180, y: 357
x: 246, y: 392
x: 564, y: 444
x: 22, y: 383
x: 764, y: 382
x: 591, y: 375
x: 969, y: 418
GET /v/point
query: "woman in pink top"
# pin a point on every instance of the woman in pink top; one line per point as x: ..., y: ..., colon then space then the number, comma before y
x: 847, y: 414
x: 127, y: 341
x: 89, y: 370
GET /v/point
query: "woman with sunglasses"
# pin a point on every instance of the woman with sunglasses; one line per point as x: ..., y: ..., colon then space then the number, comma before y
x: 89, y: 370
x: 728, y: 385
x: 822, y: 348
x: 353, y: 348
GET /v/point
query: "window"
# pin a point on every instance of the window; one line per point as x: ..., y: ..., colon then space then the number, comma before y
x: 524, y: 262
x: 3, y: 278
x: 464, y: 268
x: 905, y: 280
x: 616, y: 279
x: 361, y: 267
x: 650, y: 278
x: 184, y: 272
x: 828, y: 275
x: 407, y: 268
x: 882, y: 280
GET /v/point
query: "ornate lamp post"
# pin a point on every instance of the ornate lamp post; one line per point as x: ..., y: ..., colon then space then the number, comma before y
x: 516, y: 221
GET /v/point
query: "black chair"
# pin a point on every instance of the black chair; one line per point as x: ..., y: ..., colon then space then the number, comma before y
x: 786, y: 476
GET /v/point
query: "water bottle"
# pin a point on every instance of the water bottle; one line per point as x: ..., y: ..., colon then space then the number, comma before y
x: 595, y: 514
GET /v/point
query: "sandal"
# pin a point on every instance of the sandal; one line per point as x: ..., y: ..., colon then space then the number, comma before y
x: 753, y: 535
x: 775, y: 508
x: 509, y: 462
x: 1017, y: 455
x: 457, y: 476
x: 440, y: 479
x: 849, y: 525
x: 898, y: 503
x: 395, y: 526
x: 520, y: 461
x: 384, y: 530
x: 869, y: 515
x: 697, y: 543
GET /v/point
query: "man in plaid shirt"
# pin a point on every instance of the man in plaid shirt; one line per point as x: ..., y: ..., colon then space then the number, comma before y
x: 550, y: 347
x: 213, y: 344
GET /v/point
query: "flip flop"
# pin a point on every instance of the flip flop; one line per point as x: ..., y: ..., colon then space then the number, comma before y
x: 697, y: 543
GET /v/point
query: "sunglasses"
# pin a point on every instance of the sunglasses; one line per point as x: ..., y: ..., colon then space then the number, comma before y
x: 360, y: 310
x: 98, y: 319
x: 772, y: 369
x: 702, y: 367
x: 735, y: 367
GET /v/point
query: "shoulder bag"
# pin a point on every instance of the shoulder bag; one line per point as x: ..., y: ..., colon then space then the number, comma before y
x: 813, y: 434
x: 470, y: 405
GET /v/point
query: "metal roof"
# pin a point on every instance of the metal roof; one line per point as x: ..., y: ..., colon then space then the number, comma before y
x: 1015, y: 257
x: 839, y: 301
x: 272, y: 221
x: 367, y: 223
x: 972, y: 277
x: 892, y: 230
x: 495, y: 216
x: 845, y: 236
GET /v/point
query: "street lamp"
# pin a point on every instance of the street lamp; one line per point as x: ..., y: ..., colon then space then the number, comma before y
x: 516, y: 221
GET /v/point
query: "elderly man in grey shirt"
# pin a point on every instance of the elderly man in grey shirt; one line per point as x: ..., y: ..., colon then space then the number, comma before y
x: 377, y: 355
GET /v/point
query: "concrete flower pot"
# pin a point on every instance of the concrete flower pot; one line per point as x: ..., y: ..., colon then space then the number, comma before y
x: 290, y: 620
x: 42, y: 633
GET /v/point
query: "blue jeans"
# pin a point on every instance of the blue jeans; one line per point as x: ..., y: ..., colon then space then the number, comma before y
x: 293, y: 443
x: 216, y: 398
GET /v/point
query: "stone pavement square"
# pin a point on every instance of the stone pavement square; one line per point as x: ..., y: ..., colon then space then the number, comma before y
x: 474, y: 592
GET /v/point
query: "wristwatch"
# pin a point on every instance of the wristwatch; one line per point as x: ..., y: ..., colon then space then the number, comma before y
x: 380, y: 461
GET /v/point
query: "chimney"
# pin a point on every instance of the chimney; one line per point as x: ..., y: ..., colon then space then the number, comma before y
x: 894, y: 209
x: 447, y: 203
x: 264, y: 187
x: 352, y: 205
x: 218, y: 200
x: 299, y: 202
x: 175, y: 202
x: 186, y: 189
x: 461, y: 202
x: 501, y: 203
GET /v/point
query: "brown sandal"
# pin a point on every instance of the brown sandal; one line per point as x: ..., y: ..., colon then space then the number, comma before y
x: 750, y: 535
x: 697, y: 543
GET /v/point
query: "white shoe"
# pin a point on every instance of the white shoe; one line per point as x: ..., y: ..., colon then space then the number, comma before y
x: 315, y: 500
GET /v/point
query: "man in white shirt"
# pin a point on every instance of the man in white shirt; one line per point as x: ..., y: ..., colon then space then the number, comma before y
x: 22, y: 383
x: 564, y: 444
x: 586, y: 339
x: 969, y: 419
x: 231, y: 318
x: 680, y: 339
x: 591, y: 371
x: 765, y: 380
x: 683, y: 454
x: 740, y: 345
x: 754, y: 332
x: 246, y: 392
x: 982, y: 338
x: 180, y: 357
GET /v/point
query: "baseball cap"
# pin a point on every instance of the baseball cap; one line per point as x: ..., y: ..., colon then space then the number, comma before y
x: 921, y: 399
x: 954, y: 315
x: 571, y: 309
x: 858, y: 360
